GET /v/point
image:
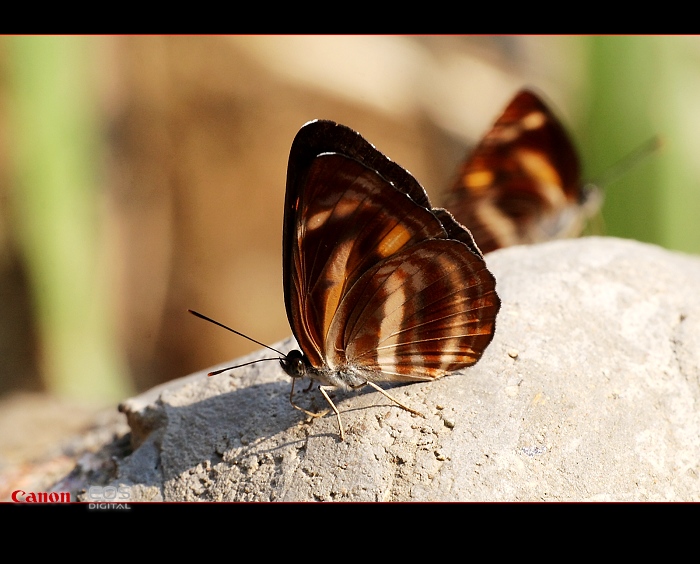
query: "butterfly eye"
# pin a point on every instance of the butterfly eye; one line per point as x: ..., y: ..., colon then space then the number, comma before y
x: 294, y: 364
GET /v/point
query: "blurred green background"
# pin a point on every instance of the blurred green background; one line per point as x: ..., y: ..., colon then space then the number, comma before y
x: 141, y: 176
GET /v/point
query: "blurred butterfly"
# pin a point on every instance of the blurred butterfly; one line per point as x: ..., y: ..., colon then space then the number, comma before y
x: 378, y: 285
x: 522, y: 183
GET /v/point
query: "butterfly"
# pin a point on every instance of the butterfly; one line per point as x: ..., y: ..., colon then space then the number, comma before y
x: 522, y: 183
x: 379, y: 286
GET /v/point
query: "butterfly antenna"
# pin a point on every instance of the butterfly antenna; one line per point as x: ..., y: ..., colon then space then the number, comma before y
x: 210, y: 320
x: 626, y: 163
x: 215, y: 372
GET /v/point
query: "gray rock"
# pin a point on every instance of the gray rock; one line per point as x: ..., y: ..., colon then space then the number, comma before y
x: 589, y: 391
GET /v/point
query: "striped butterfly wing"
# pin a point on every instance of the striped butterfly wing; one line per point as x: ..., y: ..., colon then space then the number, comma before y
x: 408, y: 322
x: 378, y: 285
x: 522, y: 184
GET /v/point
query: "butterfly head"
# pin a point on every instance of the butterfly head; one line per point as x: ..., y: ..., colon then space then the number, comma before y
x: 295, y: 364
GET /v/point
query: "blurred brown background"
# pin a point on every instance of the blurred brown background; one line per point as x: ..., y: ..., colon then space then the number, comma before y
x: 142, y: 176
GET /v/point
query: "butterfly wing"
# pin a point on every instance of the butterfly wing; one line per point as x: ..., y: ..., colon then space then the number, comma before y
x: 405, y: 320
x: 522, y: 182
x: 375, y: 280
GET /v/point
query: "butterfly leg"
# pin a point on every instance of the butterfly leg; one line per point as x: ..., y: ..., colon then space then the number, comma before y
x: 330, y: 402
x: 322, y: 413
x: 337, y: 413
x: 309, y: 413
x: 386, y: 394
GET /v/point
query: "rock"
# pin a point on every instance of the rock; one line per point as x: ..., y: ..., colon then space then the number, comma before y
x: 588, y: 392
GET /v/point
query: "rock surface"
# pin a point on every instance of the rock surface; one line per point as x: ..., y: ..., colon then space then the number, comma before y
x: 589, y: 391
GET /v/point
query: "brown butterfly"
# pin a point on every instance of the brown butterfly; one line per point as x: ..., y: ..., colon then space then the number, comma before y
x: 378, y: 285
x: 522, y: 183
